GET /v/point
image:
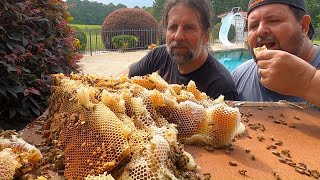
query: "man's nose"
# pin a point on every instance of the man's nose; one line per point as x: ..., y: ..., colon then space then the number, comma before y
x: 179, y: 34
x: 263, y: 30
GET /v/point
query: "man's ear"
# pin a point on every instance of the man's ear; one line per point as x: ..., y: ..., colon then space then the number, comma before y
x: 305, y: 22
x: 206, y: 37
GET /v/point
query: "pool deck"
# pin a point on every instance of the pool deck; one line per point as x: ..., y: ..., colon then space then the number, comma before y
x: 113, y: 63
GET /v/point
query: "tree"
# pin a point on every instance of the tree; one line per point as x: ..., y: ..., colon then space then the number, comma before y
x: 92, y: 13
x: 149, y: 10
x: 313, y: 7
x: 158, y: 8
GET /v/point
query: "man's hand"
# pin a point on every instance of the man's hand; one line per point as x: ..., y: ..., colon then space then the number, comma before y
x: 285, y: 73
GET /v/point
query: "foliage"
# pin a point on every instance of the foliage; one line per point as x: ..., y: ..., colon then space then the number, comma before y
x: 215, y: 31
x: 124, y: 42
x: 231, y: 34
x: 87, y: 12
x: 124, y: 19
x: 93, y: 36
x: 158, y: 8
x: 35, y: 41
x: 151, y: 11
x: 81, y: 36
x: 313, y: 7
x: 316, y: 42
x: 317, y: 35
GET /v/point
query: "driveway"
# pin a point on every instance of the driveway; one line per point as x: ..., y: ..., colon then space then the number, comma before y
x: 109, y: 63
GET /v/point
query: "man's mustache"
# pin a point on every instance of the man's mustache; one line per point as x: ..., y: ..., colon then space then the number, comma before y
x: 261, y: 39
x: 178, y: 44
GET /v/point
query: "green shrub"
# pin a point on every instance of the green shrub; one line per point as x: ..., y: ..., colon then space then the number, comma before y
x: 232, y: 33
x: 124, y: 42
x: 317, y: 34
x: 81, y: 36
x: 35, y: 41
x: 215, y: 31
x: 129, y: 21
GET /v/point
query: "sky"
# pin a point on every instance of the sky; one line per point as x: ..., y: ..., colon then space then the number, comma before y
x: 128, y: 3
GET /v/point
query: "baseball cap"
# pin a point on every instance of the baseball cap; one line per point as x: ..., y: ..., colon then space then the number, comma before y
x: 299, y: 4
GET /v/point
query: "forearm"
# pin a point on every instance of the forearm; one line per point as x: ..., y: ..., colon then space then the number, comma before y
x: 122, y: 73
x: 312, y: 94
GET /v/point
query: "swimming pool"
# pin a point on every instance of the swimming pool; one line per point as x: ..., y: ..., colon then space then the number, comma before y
x: 232, y: 58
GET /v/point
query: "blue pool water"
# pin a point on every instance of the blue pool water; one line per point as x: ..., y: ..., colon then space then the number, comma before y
x: 232, y: 58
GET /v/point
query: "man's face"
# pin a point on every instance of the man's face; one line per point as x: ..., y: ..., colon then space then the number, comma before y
x: 185, y: 39
x: 275, y: 26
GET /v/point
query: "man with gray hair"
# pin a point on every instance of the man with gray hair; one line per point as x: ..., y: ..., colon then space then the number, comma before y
x: 287, y: 69
x: 186, y: 56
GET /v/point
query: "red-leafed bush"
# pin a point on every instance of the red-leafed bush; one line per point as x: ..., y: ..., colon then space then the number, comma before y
x: 35, y: 41
x: 129, y: 21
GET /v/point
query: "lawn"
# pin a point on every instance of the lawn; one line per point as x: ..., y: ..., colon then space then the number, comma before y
x: 94, y: 42
x: 84, y: 26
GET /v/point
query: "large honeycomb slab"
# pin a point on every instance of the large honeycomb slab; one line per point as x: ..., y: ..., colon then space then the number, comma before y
x: 131, y: 128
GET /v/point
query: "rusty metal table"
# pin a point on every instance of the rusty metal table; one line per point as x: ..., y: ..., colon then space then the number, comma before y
x: 298, y: 129
x: 296, y: 126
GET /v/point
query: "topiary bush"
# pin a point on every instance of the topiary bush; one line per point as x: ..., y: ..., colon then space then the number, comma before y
x: 127, y: 21
x: 81, y: 36
x: 35, y: 41
x: 123, y: 42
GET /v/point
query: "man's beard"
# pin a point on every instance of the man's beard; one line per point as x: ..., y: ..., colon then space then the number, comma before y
x: 184, y: 57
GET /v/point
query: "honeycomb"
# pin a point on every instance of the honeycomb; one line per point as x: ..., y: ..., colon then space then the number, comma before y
x: 16, y: 155
x: 259, y: 49
x: 191, y: 87
x: 8, y: 165
x: 103, y: 176
x: 125, y: 128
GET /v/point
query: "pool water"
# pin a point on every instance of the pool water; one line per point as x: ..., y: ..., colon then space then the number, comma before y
x: 232, y: 58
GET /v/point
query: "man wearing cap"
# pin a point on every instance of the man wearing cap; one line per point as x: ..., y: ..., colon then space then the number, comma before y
x: 287, y: 70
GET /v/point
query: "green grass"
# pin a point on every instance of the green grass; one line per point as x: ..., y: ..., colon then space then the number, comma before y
x: 95, y: 42
x: 316, y: 41
x: 84, y: 26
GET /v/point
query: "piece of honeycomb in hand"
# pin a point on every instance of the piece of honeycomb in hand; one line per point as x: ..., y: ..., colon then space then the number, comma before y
x: 259, y: 49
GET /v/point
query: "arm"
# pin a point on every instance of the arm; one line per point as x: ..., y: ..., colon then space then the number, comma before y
x: 289, y: 75
x: 313, y: 91
x: 149, y: 63
x: 139, y: 68
x: 223, y: 87
x: 124, y: 72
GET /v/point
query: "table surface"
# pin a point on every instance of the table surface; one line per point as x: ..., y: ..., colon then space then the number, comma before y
x: 296, y: 126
